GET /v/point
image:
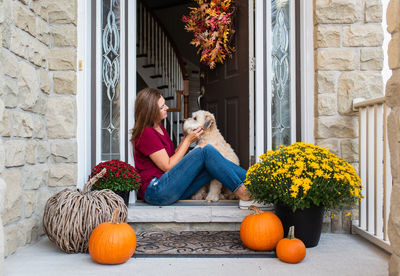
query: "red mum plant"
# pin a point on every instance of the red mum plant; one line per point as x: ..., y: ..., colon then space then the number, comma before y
x: 120, y: 176
x: 212, y: 28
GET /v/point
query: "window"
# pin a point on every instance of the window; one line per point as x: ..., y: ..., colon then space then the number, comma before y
x: 282, y: 78
x: 110, y: 80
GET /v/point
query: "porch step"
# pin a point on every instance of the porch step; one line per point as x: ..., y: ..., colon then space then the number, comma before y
x: 188, y: 211
x: 224, y: 215
x: 193, y: 215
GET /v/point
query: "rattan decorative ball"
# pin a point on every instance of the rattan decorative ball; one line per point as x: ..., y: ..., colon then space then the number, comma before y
x: 71, y: 215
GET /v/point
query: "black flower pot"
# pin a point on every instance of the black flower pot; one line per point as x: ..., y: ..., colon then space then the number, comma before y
x: 307, y: 223
x: 124, y: 195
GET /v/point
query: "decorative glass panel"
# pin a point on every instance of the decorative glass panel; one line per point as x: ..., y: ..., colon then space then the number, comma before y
x: 281, y: 94
x: 110, y: 90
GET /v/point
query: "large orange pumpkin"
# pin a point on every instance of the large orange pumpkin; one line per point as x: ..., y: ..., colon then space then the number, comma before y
x: 261, y: 231
x: 112, y: 242
x: 290, y: 249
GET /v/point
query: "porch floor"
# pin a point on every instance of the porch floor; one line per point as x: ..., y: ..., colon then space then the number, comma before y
x: 336, y: 254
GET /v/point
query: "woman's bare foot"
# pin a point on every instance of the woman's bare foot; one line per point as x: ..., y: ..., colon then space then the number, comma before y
x: 243, y: 193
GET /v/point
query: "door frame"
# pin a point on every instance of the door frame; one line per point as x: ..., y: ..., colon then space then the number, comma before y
x: 83, y: 97
x: 123, y: 68
x: 307, y: 69
x: 262, y: 132
x: 257, y: 82
x: 87, y: 66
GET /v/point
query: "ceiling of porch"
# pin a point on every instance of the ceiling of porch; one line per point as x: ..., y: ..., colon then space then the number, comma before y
x: 162, y: 4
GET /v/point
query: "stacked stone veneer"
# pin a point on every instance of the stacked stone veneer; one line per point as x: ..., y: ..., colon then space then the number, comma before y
x: 38, y: 84
x: 348, y: 63
x: 393, y: 100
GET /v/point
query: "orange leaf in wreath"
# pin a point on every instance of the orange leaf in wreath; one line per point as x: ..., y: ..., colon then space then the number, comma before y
x: 211, y: 24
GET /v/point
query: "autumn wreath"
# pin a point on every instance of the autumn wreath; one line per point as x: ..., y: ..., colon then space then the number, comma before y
x: 212, y: 27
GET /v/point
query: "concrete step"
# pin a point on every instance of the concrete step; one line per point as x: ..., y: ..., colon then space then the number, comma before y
x: 193, y: 215
x: 224, y: 215
x: 188, y: 211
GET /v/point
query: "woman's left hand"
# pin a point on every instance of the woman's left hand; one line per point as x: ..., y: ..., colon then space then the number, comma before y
x: 195, y: 135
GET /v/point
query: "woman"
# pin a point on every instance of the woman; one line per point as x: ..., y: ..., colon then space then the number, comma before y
x: 168, y: 175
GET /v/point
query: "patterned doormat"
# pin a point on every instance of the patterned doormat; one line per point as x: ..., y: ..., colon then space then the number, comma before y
x: 206, y: 244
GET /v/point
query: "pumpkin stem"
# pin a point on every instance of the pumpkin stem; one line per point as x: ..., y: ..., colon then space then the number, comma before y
x: 291, y: 233
x: 255, y: 209
x: 93, y: 180
x: 115, y: 217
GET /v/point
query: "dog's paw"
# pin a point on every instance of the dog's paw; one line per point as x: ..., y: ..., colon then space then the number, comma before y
x: 212, y: 198
x: 197, y: 197
x: 200, y: 195
x: 231, y: 197
x: 222, y: 197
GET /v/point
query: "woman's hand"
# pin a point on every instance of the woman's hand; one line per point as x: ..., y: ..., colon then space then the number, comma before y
x: 195, y: 135
x: 164, y: 162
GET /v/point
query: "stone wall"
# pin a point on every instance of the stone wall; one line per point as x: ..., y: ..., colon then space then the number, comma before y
x: 393, y: 100
x: 38, y: 82
x: 348, y: 62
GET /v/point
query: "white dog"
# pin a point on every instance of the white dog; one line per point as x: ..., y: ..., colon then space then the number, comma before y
x: 212, y: 136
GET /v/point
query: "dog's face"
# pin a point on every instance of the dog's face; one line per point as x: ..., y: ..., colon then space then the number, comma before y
x: 199, y: 118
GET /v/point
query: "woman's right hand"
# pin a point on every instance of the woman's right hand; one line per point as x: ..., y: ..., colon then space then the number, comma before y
x: 195, y: 135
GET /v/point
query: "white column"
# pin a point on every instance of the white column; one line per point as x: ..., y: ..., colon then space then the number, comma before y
x: 259, y: 78
x: 307, y: 69
x: 83, y: 96
x: 131, y: 32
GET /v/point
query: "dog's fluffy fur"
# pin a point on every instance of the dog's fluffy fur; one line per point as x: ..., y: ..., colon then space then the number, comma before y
x: 212, y: 136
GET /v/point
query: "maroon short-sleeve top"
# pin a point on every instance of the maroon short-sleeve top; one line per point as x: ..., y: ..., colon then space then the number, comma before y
x: 148, y: 142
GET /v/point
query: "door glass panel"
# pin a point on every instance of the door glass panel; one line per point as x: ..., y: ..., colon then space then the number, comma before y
x: 110, y: 88
x: 281, y: 77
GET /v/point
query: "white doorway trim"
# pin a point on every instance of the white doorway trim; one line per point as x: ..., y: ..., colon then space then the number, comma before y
x: 131, y: 51
x: 84, y: 75
x: 259, y: 78
x: 123, y: 52
x: 262, y: 93
x: 83, y: 97
x: 307, y: 69
x: 132, y: 72
x: 97, y: 48
x: 251, y: 83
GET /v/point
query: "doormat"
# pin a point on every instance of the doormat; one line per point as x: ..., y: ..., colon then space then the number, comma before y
x: 199, y: 244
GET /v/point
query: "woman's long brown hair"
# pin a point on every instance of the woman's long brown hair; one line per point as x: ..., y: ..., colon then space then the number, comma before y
x: 147, y: 111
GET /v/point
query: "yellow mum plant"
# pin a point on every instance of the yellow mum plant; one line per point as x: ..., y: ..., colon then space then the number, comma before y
x: 303, y: 174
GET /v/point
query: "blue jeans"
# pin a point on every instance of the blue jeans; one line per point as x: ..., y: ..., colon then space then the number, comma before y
x: 196, y: 169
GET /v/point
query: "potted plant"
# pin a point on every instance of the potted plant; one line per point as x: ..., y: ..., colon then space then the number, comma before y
x: 301, y: 180
x: 120, y: 178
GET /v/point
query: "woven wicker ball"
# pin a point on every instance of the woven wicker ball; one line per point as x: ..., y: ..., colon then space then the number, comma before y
x: 71, y: 214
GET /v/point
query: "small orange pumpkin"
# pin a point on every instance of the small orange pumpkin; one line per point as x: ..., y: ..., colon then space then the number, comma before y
x: 112, y: 242
x: 291, y: 249
x: 261, y: 231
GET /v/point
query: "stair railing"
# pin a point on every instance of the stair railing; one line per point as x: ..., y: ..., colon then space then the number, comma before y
x: 161, y: 53
x: 374, y: 171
